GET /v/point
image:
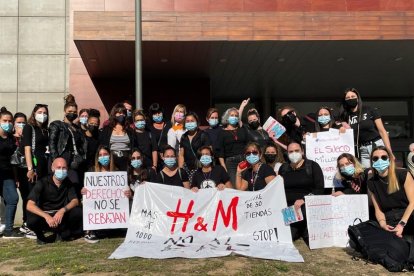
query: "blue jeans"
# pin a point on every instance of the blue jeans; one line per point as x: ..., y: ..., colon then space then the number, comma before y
x: 11, y: 197
x: 365, y: 152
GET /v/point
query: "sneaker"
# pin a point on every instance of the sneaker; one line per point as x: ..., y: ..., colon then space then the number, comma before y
x: 91, y: 238
x: 31, y: 235
x: 12, y: 235
x: 2, y: 227
x: 24, y: 229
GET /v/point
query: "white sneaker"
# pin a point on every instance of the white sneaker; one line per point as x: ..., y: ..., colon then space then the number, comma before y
x: 31, y: 235
x: 24, y: 229
x: 2, y: 227
x: 91, y: 238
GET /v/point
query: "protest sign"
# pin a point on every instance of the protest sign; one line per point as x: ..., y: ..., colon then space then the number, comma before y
x: 329, y: 217
x: 105, y: 205
x: 169, y: 222
x: 274, y: 128
x: 325, y: 147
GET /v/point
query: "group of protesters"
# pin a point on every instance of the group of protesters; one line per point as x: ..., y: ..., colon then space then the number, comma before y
x: 47, y: 162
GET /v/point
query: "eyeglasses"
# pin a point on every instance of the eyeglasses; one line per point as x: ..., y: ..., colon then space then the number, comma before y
x: 254, y: 152
x: 383, y: 157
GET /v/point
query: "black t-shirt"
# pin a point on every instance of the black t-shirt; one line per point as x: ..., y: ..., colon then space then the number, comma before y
x: 360, y: 181
x: 92, y: 148
x: 367, y: 129
x: 259, y: 136
x: 41, y: 139
x: 146, y: 144
x: 216, y: 176
x: 213, y: 134
x: 232, y: 142
x: 379, y: 187
x: 48, y: 196
x: 176, y: 180
x: 256, y: 181
x: 308, y: 179
x: 7, y: 148
x: 190, y: 148
x: 160, y: 135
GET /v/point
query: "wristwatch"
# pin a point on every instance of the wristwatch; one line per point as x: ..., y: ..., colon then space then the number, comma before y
x: 402, y: 223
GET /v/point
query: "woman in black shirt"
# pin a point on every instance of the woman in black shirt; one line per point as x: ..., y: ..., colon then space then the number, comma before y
x: 231, y: 142
x: 214, y: 126
x: 193, y: 139
x: 137, y: 172
x: 392, y: 192
x: 35, y: 141
x: 256, y: 175
x: 209, y: 175
x: 369, y: 131
x: 158, y: 127
x: 302, y: 177
x: 295, y: 128
x: 325, y: 120
x: 145, y: 141
x: 171, y: 174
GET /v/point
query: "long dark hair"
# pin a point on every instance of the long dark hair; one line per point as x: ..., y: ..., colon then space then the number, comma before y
x: 118, y: 108
x: 344, y: 111
x: 32, y: 121
x: 142, y: 173
x: 317, y: 125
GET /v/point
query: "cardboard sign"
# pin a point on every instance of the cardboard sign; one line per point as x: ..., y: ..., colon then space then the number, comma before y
x: 325, y: 147
x: 169, y: 222
x: 105, y: 205
x: 329, y: 217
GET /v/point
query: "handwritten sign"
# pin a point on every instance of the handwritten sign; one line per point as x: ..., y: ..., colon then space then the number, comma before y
x: 325, y: 147
x: 105, y: 205
x: 328, y: 218
x: 169, y: 222
x: 274, y: 128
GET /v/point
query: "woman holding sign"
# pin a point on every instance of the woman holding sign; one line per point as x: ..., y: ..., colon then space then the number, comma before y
x: 392, y: 192
x: 253, y: 175
x: 369, y: 131
x: 302, y: 177
x: 209, y: 175
x: 138, y: 173
x: 326, y: 120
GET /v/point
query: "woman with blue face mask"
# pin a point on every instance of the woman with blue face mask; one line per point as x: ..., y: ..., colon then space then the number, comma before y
x: 138, y: 173
x: 231, y: 142
x: 351, y: 177
x: 392, y: 193
x: 193, y: 139
x: 325, y: 120
x: 159, y: 128
x: 256, y: 175
x: 209, y: 175
x: 171, y: 174
x: 146, y: 142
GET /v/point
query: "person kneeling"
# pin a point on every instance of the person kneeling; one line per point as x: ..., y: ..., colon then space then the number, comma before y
x: 53, y: 206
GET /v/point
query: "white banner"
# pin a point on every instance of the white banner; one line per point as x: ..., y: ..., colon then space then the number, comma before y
x: 105, y: 205
x: 170, y: 222
x: 329, y: 217
x: 325, y: 147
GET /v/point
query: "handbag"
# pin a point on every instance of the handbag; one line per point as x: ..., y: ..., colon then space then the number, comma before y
x: 18, y: 159
x: 77, y: 159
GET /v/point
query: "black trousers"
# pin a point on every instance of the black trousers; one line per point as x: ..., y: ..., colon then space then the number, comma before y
x: 25, y: 187
x: 300, y: 229
x: 71, y: 225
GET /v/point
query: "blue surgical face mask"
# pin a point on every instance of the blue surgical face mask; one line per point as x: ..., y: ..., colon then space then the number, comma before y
x: 348, y: 170
x: 191, y: 126
x: 157, y: 118
x: 20, y: 125
x: 7, y: 127
x: 136, y: 163
x: 104, y: 160
x: 381, y: 165
x: 61, y: 174
x: 233, y: 120
x: 206, y: 160
x: 213, y: 122
x: 252, y: 158
x: 140, y: 124
x: 83, y: 120
x: 170, y: 161
x: 323, y: 120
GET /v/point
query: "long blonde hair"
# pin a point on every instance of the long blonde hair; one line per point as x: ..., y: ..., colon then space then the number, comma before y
x: 358, y: 166
x: 393, y: 184
x: 178, y: 106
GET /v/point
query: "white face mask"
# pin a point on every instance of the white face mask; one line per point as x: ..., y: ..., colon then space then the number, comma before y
x: 295, y: 157
x: 41, y: 118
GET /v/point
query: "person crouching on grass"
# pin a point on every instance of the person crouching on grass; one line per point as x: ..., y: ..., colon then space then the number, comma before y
x: 53, y: 206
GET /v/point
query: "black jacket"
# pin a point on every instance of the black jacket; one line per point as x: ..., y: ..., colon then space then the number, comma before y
x: 105, y: 137
x: 59, y: 135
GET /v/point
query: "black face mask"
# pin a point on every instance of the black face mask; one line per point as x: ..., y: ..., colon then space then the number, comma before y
x: 93, y: 129
x: 254, y: 125
x: 120, y: 119
x: 71, y: 116
x: 289, y: 119
x: 351, y: 103
x: 269, y: 158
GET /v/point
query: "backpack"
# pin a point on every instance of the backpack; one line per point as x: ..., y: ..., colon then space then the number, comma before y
x: 381, y: 247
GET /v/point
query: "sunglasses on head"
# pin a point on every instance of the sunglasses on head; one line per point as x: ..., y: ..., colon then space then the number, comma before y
x: 383, y: 157
x: 254, y: 152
